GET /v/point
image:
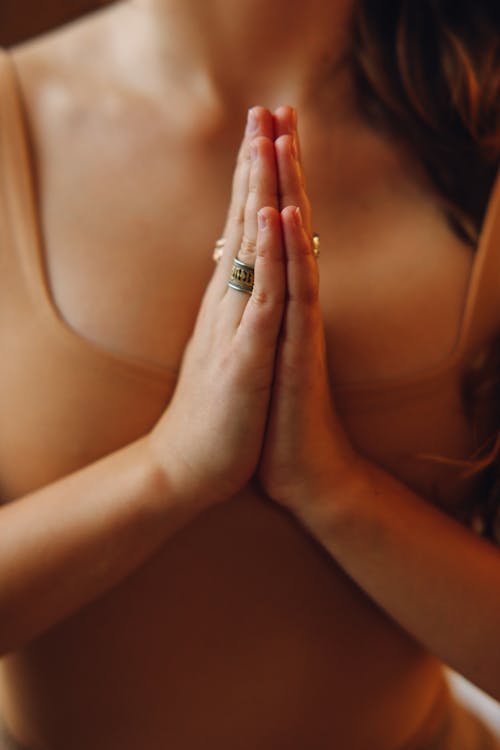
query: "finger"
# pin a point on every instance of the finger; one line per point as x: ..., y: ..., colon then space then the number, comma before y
x: 291, y: 179
x: 262, y: 316
x: 259, y: 123
x: 262, y: 192
x: 303, y: 314
x: 285, y: 121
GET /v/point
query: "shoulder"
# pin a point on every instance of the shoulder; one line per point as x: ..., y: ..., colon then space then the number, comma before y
x: 77, y: 100
x: 87, y: 83
x: 56, y: 69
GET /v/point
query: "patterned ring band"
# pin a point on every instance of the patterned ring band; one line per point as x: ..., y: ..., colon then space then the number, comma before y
x: 242, y: 277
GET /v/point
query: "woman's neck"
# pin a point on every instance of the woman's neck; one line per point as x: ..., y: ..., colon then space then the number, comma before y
x: 250, y: 51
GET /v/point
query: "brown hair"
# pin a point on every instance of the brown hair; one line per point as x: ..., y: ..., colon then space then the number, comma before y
x: 428, y: 72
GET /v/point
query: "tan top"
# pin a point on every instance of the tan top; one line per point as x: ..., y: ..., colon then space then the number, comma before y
x: 57, y: 383
x: 65, y: 402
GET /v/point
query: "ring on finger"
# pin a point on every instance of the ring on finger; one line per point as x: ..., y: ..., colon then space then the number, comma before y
x: 242, y: 277
x: 247, y: 248
x: 218, y: 250
x: 316, y: 245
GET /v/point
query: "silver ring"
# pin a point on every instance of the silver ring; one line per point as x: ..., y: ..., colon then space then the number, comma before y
x: 242, y: 277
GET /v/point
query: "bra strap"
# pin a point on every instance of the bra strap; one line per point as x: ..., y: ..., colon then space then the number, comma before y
x: 15, y: 166
x: 18, y: 208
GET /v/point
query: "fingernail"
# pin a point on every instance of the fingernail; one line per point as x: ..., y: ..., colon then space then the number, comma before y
x: 293, y: 148
x: 252, y: 121
x: 298, y: 217
x: 254, y: 152
x: 262, y: 219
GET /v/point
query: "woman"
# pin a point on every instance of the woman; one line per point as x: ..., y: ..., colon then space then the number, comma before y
x: 209, y: 555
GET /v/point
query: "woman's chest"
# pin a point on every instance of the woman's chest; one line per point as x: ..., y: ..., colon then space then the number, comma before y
x: 127, y: 239
x: 126, y: 247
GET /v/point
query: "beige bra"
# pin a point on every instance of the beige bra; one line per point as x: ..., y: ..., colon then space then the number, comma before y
x: 481, y: 309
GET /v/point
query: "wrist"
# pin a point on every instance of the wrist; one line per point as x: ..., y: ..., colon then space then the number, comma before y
x: 328, y: 501
x: 165, y: 471
x: 181, y: 482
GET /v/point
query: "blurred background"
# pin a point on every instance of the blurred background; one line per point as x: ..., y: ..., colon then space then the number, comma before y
x: 21, y: 19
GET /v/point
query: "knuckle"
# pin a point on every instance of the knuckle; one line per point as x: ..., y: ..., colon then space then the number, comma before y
x: 261, y: 252
x: 248, y: 245
x: 281, y: 140
x: 267, y: 300
x: 247, y: 251
x: 261, y: 142
x: 253, y: 186
x: 261, y: 298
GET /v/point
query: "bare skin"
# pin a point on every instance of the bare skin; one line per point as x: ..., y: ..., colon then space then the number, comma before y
x: 172, y: 156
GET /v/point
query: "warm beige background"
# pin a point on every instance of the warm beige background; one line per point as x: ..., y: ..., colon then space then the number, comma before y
x: 20, y: 19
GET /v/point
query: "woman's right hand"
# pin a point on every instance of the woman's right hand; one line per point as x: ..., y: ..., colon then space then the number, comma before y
x: 209, y: 440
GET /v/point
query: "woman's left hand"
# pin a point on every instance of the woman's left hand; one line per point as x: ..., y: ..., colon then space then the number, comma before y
x: 306, y: 453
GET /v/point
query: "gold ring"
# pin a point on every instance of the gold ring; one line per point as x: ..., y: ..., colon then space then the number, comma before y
x: 218, y: 251
x: 316, y: 245
x: 242, y: 277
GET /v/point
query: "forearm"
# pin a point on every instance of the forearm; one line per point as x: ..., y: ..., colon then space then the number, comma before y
x: 433, y: 576
x: 66, y: 544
